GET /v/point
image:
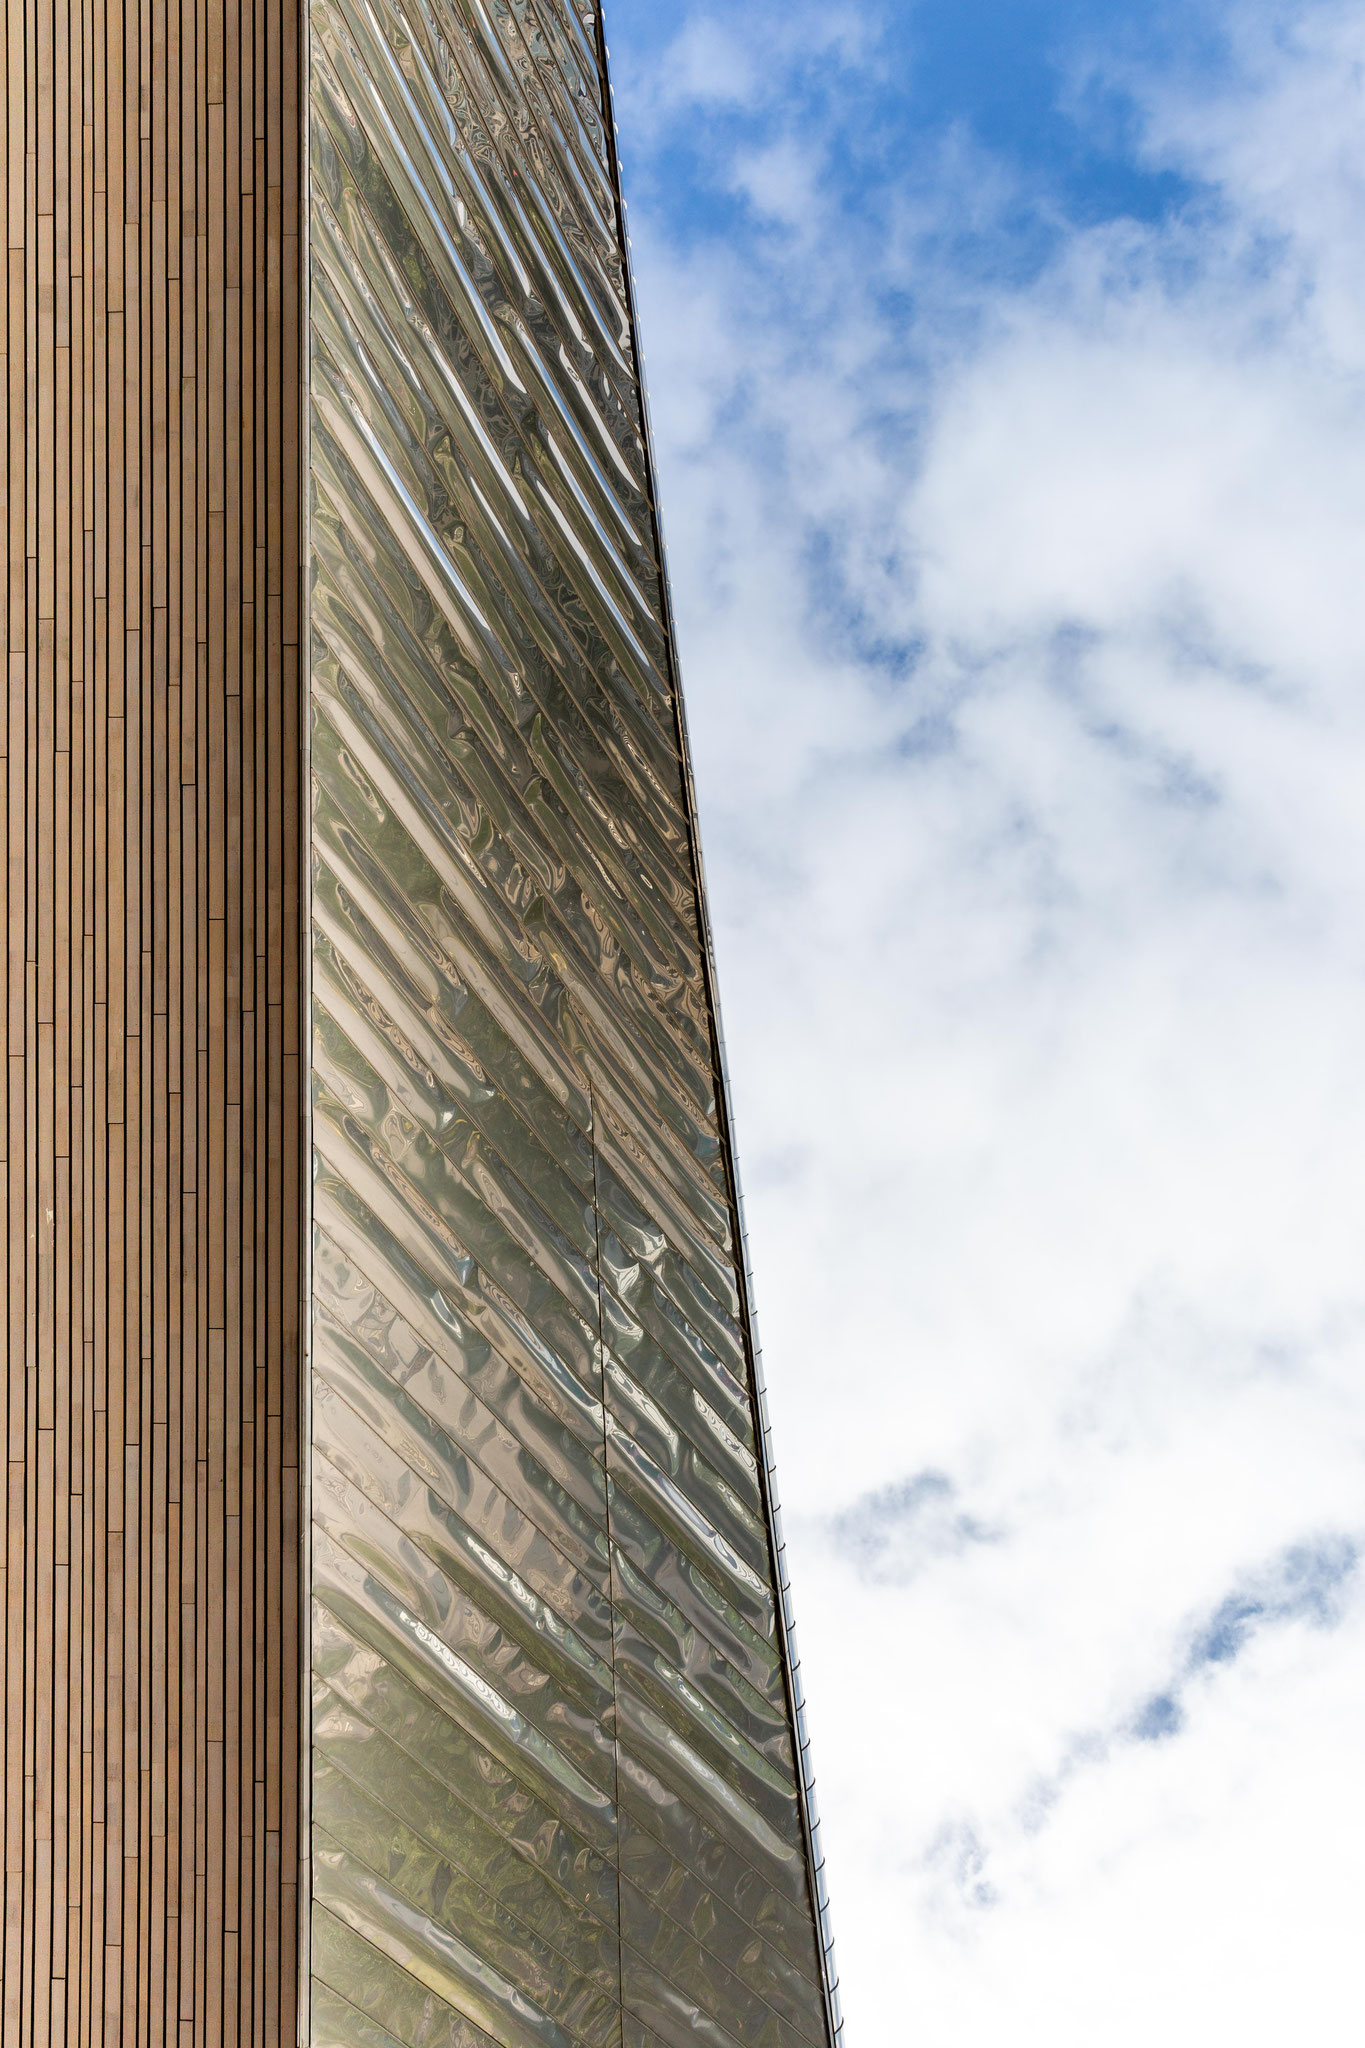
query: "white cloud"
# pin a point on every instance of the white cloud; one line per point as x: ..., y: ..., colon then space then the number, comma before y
x: 732, y: 59
x: 1023, y: 643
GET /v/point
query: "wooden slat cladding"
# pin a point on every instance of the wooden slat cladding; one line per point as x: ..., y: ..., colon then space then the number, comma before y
x: 151, y: 1169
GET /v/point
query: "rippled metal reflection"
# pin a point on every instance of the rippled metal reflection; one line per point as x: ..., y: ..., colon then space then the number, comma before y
x: 557, y: 1792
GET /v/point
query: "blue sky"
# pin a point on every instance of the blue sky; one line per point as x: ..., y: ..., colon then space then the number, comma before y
x: 1007, y: 365
x: 1018, y: 76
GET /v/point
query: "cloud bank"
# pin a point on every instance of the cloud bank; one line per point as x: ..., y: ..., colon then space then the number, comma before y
x: 1017, y: 551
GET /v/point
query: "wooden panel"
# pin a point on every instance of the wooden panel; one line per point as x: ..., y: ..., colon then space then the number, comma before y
x: 149, y: 783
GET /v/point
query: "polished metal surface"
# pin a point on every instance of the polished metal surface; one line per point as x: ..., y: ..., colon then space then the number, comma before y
x: 560, y: 1789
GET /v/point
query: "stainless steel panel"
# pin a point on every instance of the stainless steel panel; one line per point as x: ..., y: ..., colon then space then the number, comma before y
x: 379, y: 1771
x: 489, y: 1800
x: 339, y: 2024
x: 492, y: 1542
x: 792, y: 1991
x: 674, y: 2016
x: 371, y: 1838
x: 360, y: 1987
x: 659, y: 1834
x: 559, y: 1793
x: 710, y: 1991
x: 461, y: 1546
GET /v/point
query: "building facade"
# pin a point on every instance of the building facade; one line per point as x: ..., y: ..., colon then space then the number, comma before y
x: 398, y: 1634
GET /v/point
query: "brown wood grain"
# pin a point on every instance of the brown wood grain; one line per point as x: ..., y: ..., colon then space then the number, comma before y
x: 150, y: 1174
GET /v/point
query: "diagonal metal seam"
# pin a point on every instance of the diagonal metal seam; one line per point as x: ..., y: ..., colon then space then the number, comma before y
x: 805, y: 1777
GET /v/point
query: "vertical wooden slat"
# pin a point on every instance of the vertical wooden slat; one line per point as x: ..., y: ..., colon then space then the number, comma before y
x: 150, y: 1177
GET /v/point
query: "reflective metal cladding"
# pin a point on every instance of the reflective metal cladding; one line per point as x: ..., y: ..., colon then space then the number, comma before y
x: 557, y: 1793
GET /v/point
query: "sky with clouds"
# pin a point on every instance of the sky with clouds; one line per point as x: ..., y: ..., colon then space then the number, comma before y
x: 1007, y: 362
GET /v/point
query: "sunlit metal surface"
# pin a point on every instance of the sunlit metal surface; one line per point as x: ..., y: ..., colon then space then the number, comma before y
x: 555, y: 1781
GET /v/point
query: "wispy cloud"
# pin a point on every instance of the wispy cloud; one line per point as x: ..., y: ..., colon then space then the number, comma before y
x: 890, y: 1536
x: 976, y: 1863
